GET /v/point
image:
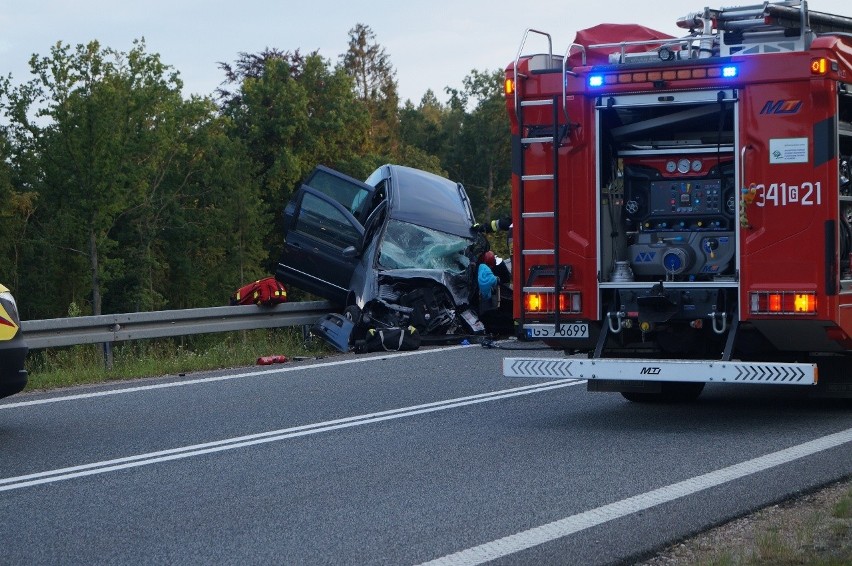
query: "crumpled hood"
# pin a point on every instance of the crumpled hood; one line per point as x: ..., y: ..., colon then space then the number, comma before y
x: 457, y: 284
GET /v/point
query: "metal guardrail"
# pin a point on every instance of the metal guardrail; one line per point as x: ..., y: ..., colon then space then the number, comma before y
x: 53, y: 332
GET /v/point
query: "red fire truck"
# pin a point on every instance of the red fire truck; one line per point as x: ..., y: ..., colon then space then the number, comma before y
x: 682, y: 205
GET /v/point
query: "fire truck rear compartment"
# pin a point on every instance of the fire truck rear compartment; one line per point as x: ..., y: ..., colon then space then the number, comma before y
x: 668, y: 201
x: 667, y: 224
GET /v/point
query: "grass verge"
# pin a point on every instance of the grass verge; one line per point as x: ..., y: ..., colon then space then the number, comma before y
x: 85, y: 364
x: 815, y: 529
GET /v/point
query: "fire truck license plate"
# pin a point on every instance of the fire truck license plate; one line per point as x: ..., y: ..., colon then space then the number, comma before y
x: 572, y: 330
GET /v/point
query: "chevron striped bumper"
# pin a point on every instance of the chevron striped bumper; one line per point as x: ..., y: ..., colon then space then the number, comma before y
x: 705, y: 371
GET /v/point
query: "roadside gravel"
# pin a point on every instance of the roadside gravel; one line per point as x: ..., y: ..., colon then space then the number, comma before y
x: 815, y: 528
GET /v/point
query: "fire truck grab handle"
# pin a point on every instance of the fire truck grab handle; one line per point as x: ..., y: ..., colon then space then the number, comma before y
x: 743, y: 165
x: 566, y: 70
x: 719, y: 328
x: 521, y: 51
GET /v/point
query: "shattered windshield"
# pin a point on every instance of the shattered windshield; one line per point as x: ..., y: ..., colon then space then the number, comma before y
x: 408, y: 246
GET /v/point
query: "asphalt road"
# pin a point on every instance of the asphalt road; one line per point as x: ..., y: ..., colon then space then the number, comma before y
x: 399, y: 459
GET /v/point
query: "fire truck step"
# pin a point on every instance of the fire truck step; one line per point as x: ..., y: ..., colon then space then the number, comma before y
x: 542, y: 102
x: 537, y: 215
x: 545, y: 177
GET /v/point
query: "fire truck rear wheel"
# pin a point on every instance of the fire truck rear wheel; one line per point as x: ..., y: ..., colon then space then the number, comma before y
x: 677, y: 392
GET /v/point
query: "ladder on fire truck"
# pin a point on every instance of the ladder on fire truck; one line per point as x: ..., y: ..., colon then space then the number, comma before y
x: 550, y: 134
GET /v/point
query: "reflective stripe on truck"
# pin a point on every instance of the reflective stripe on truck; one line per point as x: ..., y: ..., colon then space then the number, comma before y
x: 705, y: 371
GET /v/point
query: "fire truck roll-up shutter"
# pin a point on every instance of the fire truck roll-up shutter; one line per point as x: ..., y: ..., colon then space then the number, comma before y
x: 667, y: 99
x: 695, y: 371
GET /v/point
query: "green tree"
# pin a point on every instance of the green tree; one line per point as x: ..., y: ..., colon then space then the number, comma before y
x: 292, y: 112
x: 198, y: 236
x: 375, y: 84
x: 18, y: 208
x: 81, y: 100
x: 211, y: 235
x: 120, y: 163
x: 423, y: 126
x: 477, y: 148
x: 112, y: 137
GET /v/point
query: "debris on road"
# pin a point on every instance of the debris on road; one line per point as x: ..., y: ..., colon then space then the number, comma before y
x: 269, y: 360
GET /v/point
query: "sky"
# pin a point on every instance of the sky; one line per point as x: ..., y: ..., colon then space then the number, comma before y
x: 431, y: 44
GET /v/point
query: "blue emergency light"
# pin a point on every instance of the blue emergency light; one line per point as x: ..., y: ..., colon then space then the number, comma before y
x: 726, y: 72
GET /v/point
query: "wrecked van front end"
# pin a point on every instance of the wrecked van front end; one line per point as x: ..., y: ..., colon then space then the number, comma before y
x: 396, y: 251
x: 420, y: 277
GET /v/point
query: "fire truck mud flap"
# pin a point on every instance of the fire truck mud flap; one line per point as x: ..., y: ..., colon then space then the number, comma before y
x: 639, y: 370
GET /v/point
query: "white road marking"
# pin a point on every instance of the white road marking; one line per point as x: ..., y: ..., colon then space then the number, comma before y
x: 593, y: 517
x: 18, y: 482
x: 281, y: 369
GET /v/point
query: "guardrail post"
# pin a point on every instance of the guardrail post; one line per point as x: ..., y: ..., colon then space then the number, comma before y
x: 108, y: 358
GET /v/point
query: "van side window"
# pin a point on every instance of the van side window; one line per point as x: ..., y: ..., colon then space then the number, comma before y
x: 320, y: 220
x: 350, y: 196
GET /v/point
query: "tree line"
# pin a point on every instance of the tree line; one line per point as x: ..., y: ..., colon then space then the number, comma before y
x: 120, y: 195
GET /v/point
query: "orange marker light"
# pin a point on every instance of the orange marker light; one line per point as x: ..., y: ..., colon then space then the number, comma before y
x: 804, y: 303
x: 784, y: 302
x: 819, y: 66
x: 533, y: 302
x: 775, y: 302
x: 509, y: 86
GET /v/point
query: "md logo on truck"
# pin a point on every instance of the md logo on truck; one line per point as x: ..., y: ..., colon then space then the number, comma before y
x: 781, y: 107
